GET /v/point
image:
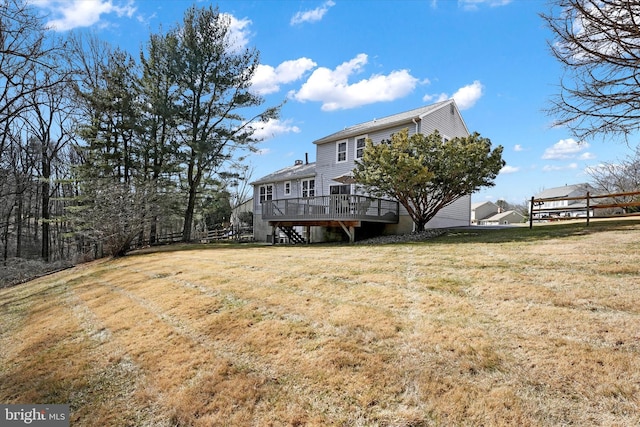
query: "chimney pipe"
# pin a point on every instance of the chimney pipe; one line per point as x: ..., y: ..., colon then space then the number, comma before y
x: 306, y: 158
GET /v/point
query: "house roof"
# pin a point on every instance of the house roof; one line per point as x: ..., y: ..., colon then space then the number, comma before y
x: 302, y: 170
x: 478, y: 204
x: 565, y: 191
x: 384, y: 122
x: 499, y: 216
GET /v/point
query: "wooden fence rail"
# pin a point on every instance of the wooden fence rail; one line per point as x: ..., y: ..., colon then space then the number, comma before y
x: 591, y: 205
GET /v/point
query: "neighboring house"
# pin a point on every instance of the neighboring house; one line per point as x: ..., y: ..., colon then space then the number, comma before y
x: 554, y: 208
x: 483, y: 210
x: 321, y: 202
x: 503, y: 218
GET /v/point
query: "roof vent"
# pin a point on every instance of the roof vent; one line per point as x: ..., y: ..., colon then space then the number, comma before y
x: 298, y: 163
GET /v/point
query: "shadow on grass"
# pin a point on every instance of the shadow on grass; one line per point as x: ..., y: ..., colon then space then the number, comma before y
x: 477, y: 234
x: 181, y: 247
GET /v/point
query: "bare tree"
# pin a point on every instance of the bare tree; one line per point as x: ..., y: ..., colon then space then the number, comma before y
x: 618, y: 178
x: 49, y: 120
x: 598, y: 44
x: 23, y: 51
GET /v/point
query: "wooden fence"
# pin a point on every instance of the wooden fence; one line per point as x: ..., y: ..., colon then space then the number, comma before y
x: 618, y: 203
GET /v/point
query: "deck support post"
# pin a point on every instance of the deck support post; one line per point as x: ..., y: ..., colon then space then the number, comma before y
x: 351, y: 231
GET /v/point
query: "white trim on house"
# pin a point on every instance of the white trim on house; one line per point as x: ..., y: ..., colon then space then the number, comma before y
x: 287, y: 188
x: 340, y: 152
x: 266, y: 192
x: 308, y: 187
x: 336, y: 156
x: 359, y: 149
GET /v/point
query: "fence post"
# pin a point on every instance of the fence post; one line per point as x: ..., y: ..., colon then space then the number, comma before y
x: 588, y: 208
x: 531, y: 213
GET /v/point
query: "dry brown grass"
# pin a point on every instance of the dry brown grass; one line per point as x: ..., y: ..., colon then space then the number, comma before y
x: 491, y: 328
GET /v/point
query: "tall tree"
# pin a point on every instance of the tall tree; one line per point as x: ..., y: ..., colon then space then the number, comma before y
x: 158, y: 141
x: 25, y: 53
x: 425, y: 173
x: 596, y: 41
x: 50, y: 119
x: 23, y: 48
x: 214, y: 80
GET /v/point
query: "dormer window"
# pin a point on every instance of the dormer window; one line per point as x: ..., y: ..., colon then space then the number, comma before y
x: 342, y: 152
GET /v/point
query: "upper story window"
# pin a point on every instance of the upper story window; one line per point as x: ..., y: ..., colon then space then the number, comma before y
x: 308, y: 187
x: 342, y: 151
x: 287, y: 188
x: 361, y: 142
x: 266, y: 192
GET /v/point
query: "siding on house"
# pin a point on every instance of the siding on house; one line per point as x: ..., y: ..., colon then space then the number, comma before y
x: 294, y: 174
x: 567, y: 191
x: 482, y: 210
x: 443, y: 117
x: 504, y: 218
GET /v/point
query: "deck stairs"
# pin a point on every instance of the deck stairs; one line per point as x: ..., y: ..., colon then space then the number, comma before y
x: 294, y: 237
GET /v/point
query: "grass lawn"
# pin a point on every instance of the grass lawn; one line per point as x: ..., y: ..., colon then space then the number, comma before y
x: 478, y: 327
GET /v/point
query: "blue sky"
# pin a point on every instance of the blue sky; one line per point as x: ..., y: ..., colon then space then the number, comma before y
x: 343, y: 62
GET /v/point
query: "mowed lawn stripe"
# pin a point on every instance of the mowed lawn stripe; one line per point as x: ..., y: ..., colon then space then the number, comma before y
x: 508, y: 327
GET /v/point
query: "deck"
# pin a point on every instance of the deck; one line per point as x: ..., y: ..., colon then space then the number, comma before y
x: 344, y: 210
x: 331, y: 208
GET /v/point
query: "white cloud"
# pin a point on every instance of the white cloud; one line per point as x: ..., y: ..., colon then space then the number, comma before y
x: 332, y: 87
x: 239, y: 33
x: 550, y: 168
x: 82, y: 13
x: 272, y: 128
x: 587, y: 156
x: 268, y: 79
x: 564, y: 149
x: 509, y: 169
x: 474, y: 4
x: 465, y: 97
x: 518, y: 148
x: 312, y: 15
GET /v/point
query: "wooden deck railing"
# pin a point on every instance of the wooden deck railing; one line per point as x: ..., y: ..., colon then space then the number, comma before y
x: 331, y: 208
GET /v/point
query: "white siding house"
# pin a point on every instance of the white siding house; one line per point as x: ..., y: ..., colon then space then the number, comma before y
x: 321, y: 201
x: 503, y: 218
x: 483, y: 210
x: 552, y: 208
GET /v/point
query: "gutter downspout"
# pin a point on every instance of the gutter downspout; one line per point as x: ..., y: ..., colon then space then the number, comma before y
x: 415, y: 122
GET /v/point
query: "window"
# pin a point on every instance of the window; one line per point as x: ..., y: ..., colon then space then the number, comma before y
x: 287, y: 188
x: 308, y: 188
x: 342, y: 151
x: 361, y: 142
x: 266, y: 192
x: 340, y: 189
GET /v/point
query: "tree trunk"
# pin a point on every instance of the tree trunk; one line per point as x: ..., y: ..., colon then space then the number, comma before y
x: 46, y: 174
x: 188, y: 215
x: 194, y: 177
x: 153, y: 230
x: 19, y: 225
